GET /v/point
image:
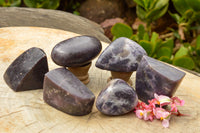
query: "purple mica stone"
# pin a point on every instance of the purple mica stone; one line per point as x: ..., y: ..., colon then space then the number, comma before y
x: 27, y: 71
x: 117, y: 98
x: 76, y: 51
x: 154, y: 76
x: 122, y: 55
x: 63, y: 91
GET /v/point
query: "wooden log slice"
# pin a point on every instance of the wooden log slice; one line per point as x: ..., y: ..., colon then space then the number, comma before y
x: 26, y: 112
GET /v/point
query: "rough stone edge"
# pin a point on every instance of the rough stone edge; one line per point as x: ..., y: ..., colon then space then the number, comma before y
x: 20, y: 16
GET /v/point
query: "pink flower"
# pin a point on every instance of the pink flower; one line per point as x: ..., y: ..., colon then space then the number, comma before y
x: 177, y: 101
x: 139, y: 113
x: 163, y: 115
x: 148, y: 115
x: 152, y: 103
x: 144, y: 114
x: 151, y: 111
x: 162, y: 100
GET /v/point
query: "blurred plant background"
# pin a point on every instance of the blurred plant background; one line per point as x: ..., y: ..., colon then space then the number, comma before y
x: 169, y: 30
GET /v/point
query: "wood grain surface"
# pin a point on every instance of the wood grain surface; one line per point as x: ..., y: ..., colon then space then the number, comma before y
x: 26, y: 112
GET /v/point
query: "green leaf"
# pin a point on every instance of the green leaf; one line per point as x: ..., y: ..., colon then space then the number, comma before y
x: 197, y: 17
x: 181, y: 52
x: 146, y: 4
x: 176, y: 34
x: 2, y: 2
x: 198, y: 51
x: 165, y: 59
x: 121, y: 30
x: 156, y: 13
x: 188, y: 13
x: 141, y: 31
x: 161, y: 3
x: 185, y: 62
x: 141, y: 13
x: 198, y: 45
x: 51, y: 4
x: 147, y: 46
x: 114, y: 38
x: 194, y: 4
x: 176, y: 17
x: 154, y: 39
x: 30, y: 3
x: 186, y: 44
x: 150, y: 10
x: 152, y: 4
x: 76, y: 13
x: 198, y: 42
x: 15, y: 3
x: 168, y: 43
x: 164, y: 51
x: 10, y: 3
x: 146, y: 36
x: 181, y: 6
x: 48, y: 4
x: 139, y: 2
x: 134, y: 37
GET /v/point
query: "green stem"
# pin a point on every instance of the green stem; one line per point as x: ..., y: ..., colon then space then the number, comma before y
x: 149, y: 28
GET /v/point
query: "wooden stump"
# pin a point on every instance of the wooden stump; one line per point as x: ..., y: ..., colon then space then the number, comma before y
x: 26, y: 112
x: 17, y: 16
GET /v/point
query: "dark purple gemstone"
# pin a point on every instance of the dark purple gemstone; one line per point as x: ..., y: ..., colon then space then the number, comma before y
x: 63, y: 91
x: 154, y: 76
x: 117, y: 98
x: 122, y: 55
x: 76, y: 51
x: 27, y: 71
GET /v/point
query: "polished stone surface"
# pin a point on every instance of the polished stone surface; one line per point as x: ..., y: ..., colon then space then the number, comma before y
x: 76, y: 51
x: 154, y: 76
x: 117, y: 98
x: 122, y: 55
x: 63, y: 91
x: 27, y: 71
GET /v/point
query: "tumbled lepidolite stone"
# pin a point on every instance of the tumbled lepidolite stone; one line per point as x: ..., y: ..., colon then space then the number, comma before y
x: 76, y: 51
x: 117, y: 98
x: 154, y: 76
x: 122, y: 55
x: 27, y: 71
x: 63, y: 91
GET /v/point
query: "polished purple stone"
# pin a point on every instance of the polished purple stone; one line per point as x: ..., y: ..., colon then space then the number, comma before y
x: 27, y: 71
x: 63, y: 91
x: 117, y: 98
x: 122, y: 55
x: 76, y: 51
x: 154, y: 76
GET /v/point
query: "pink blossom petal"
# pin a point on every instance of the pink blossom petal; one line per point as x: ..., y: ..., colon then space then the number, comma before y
x: 178, y: 101
x: 165, y: 123
x: 156, y: 96
x: 152, y: 103
x: 161, y: 113
x: 139, y: 113
x: 158, y: 112
x: 173, y: 108
x: 148, y: 115
x: 162, y: 100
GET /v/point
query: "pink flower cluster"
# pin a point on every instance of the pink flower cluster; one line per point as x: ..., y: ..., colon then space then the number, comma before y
x: 155, y: 109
